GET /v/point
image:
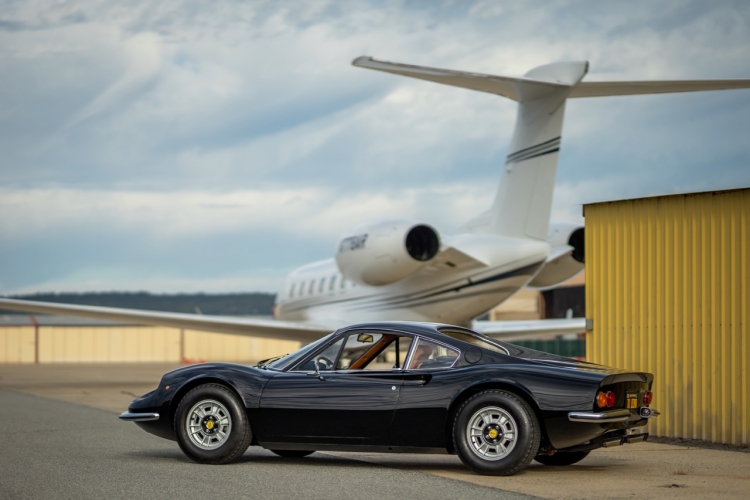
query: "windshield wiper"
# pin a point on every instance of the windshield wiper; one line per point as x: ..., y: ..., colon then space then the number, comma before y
x: 264, y: 363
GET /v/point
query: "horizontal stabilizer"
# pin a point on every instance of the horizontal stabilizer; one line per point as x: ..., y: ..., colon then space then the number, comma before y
x: 539, y: 328
x: 251, y: 327
x: 516, y: 88
x: 545, y: 78
x: 605, y: 89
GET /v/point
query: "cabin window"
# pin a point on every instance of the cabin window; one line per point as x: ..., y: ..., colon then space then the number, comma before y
x: 332, y: 284
x: 312, y: 288
x: 322, y: 285
x: 301, y: 289
x: 291, y: 290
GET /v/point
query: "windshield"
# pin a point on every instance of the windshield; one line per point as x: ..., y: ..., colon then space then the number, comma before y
x: 284, y: 362
x: 474, y: 338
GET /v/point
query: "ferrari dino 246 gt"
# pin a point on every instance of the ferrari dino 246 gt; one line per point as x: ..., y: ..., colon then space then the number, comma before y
x: 402, y: 387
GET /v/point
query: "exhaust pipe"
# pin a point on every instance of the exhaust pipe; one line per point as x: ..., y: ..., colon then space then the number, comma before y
x: 636, y: 438
x: 612, y: 443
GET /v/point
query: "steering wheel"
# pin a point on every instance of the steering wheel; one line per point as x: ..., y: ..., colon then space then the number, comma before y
x: 323, y: 363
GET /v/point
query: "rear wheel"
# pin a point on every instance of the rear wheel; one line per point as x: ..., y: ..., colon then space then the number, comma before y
x: 211, y: 425
x: 496, y: 433
x: 562, y: 458
x: 293, y: 453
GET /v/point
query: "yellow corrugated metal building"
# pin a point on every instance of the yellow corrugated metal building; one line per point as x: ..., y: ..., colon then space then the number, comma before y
x: 668, y: 292
x: 90, y: 342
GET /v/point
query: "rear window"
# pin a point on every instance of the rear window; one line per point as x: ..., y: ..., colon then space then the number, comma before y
x: 474, y: 339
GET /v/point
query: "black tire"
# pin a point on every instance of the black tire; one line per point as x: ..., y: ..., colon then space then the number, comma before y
x: 521, y: 451
x: 293, y: 453
x: 562, y: 458
x: 239, y: 433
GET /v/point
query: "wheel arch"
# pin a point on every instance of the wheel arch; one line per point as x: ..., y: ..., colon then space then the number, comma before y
x: 486, y: 385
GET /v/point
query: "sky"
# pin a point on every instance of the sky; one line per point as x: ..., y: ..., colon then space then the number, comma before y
x: 192, y: 146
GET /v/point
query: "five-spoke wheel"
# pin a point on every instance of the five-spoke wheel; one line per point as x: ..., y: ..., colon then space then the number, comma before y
x: 211, y: 425
x: 496, y: 433
x: 492, y: 433
x: 208, y: 424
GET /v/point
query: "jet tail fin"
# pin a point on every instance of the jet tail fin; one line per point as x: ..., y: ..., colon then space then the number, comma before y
x: 523, y: 201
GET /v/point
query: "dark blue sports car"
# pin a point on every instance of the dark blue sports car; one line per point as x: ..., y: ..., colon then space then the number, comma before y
x: 405, y: 388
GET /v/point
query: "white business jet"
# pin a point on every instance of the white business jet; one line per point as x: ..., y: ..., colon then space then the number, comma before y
x: 405, y: 270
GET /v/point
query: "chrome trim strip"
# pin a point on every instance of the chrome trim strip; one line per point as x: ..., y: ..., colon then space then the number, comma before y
x: 138, y: 417
x: 602, y: 417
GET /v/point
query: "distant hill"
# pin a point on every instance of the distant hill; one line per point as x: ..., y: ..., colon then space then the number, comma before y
x: 229, y: 304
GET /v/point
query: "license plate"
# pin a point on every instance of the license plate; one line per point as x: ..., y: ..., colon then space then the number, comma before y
x: 632, y: 400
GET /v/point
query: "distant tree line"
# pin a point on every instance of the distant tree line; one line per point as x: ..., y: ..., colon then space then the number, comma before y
x: 229, y: 304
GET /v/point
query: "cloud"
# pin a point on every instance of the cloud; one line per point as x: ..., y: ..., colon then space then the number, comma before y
x: 143, y: 54
x: 136, y: 135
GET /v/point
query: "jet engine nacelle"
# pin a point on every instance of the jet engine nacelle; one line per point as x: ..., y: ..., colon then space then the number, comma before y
x: 566, y: 258
x: 385, y: 252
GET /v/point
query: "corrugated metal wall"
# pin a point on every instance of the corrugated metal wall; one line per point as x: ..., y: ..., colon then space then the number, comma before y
x: 131, y: 344
x: 667, y: 290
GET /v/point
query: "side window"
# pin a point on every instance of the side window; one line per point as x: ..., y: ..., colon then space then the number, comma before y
x: 301, y: 289
x: 325, y: 360
x: 291, y: 290
x: 357, y: 345
x: 322, y: 285
x: 393, y: 356
x: 429, y: 356
x: 343, y: 283
x: 312, y: 288
x: 332, y: 284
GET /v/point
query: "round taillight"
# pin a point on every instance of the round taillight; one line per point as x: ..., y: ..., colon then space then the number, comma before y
x: 601, y: 400
x: 610, y: 398
x: 647, y: 396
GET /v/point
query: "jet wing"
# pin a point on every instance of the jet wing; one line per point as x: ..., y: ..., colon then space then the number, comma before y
x: 514, y: 330
x: 252, y: 327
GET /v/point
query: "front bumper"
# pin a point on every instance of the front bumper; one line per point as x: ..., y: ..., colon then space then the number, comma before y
x: 138, y: 417
x: 604, y: 417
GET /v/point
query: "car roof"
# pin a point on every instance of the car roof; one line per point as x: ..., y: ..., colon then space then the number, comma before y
x: 413, y: 327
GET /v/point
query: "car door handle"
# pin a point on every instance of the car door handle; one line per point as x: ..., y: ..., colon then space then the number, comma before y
x: 417, y: 379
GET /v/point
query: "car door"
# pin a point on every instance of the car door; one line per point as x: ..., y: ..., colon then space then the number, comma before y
x: 421, y: 411
x: 340, y: 403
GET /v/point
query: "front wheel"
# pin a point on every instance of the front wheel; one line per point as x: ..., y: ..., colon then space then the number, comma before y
x: 562, y: 458
x: 293, y: 453
x: 496, y: 433
x: 211, y: 425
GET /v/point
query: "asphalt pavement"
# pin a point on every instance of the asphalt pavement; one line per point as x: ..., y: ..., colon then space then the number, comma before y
x: 56, y: 449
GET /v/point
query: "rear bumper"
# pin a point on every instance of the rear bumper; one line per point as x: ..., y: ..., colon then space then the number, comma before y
x: 138, y: 417
x: 604, y: 417
x: 600, y: 417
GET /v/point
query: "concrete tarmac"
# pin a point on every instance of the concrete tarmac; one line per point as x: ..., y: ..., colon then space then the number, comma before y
x: 55, y: 448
